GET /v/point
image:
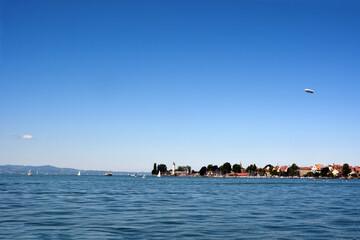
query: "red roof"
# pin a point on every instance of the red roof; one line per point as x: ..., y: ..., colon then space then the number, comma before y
x: 337, y: 166
x: 283, y: 168
x: 305, y: 168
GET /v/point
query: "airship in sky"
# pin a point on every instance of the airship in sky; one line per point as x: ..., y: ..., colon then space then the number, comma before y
x: 309, y: 90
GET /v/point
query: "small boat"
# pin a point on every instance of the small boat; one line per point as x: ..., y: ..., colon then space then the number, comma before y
x: 79, y: 173
x: 29, y: 173
x: 159, y: 174
x: 108, y: 174
x: 144, y: 176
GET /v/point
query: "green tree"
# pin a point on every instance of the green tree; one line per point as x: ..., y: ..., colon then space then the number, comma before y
x: 236, y: 168
x: 154, y: 171
x: 202, y: 171
x: 180, y: 168
x: 324, y: 172
x: 226, y: 168
x: 261, y: 171
x: 184, y: 168
x: 215, y: 168
x: 330, y: 175
x: 162, y: 168
x: 345, y: 170
x: 209, y: 167
x: 269, y: 166
x: 293, y: 170
x: 252, y: 169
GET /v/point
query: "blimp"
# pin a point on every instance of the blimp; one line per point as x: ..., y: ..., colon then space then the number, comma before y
x: 309, y: 90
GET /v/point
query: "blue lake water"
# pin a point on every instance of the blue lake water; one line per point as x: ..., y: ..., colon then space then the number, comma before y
x: 123, y: 207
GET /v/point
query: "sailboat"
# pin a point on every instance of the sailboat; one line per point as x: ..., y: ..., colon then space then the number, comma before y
x: 159, y: 174
x: 29, y: 173
x: 79, y: 173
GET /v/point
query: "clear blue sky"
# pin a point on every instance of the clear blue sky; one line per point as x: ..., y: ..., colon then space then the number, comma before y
x: 119, y: 85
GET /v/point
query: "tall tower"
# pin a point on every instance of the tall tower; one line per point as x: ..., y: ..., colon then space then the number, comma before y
x: 173, y: 169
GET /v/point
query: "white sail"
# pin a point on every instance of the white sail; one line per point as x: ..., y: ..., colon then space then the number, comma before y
x: 159, y: 174
x: 29, y: 173
x: 79, y: 173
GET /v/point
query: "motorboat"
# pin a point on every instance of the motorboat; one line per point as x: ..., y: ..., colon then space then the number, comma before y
x: 108, y: 174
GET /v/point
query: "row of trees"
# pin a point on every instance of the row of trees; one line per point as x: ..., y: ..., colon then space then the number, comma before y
x: 184, y: 169
x: 253, y: 170
x: 164, y: 170
x: 227, y: 168
x: 223, y: 169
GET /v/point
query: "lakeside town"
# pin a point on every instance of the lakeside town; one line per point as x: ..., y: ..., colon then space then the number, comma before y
x: 238, y: 170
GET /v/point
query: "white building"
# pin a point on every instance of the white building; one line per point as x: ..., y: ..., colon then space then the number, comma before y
x: 173, y: 169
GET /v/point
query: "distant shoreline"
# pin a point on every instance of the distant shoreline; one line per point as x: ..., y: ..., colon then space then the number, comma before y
x: 51, y: 170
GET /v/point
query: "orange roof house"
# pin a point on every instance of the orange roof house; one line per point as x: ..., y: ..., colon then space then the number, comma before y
x: 319, y: 166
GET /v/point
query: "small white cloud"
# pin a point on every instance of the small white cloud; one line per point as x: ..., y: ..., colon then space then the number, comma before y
x: 27, y: 137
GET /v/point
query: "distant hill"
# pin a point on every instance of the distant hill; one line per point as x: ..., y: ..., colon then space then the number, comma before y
x: 47, y: 169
